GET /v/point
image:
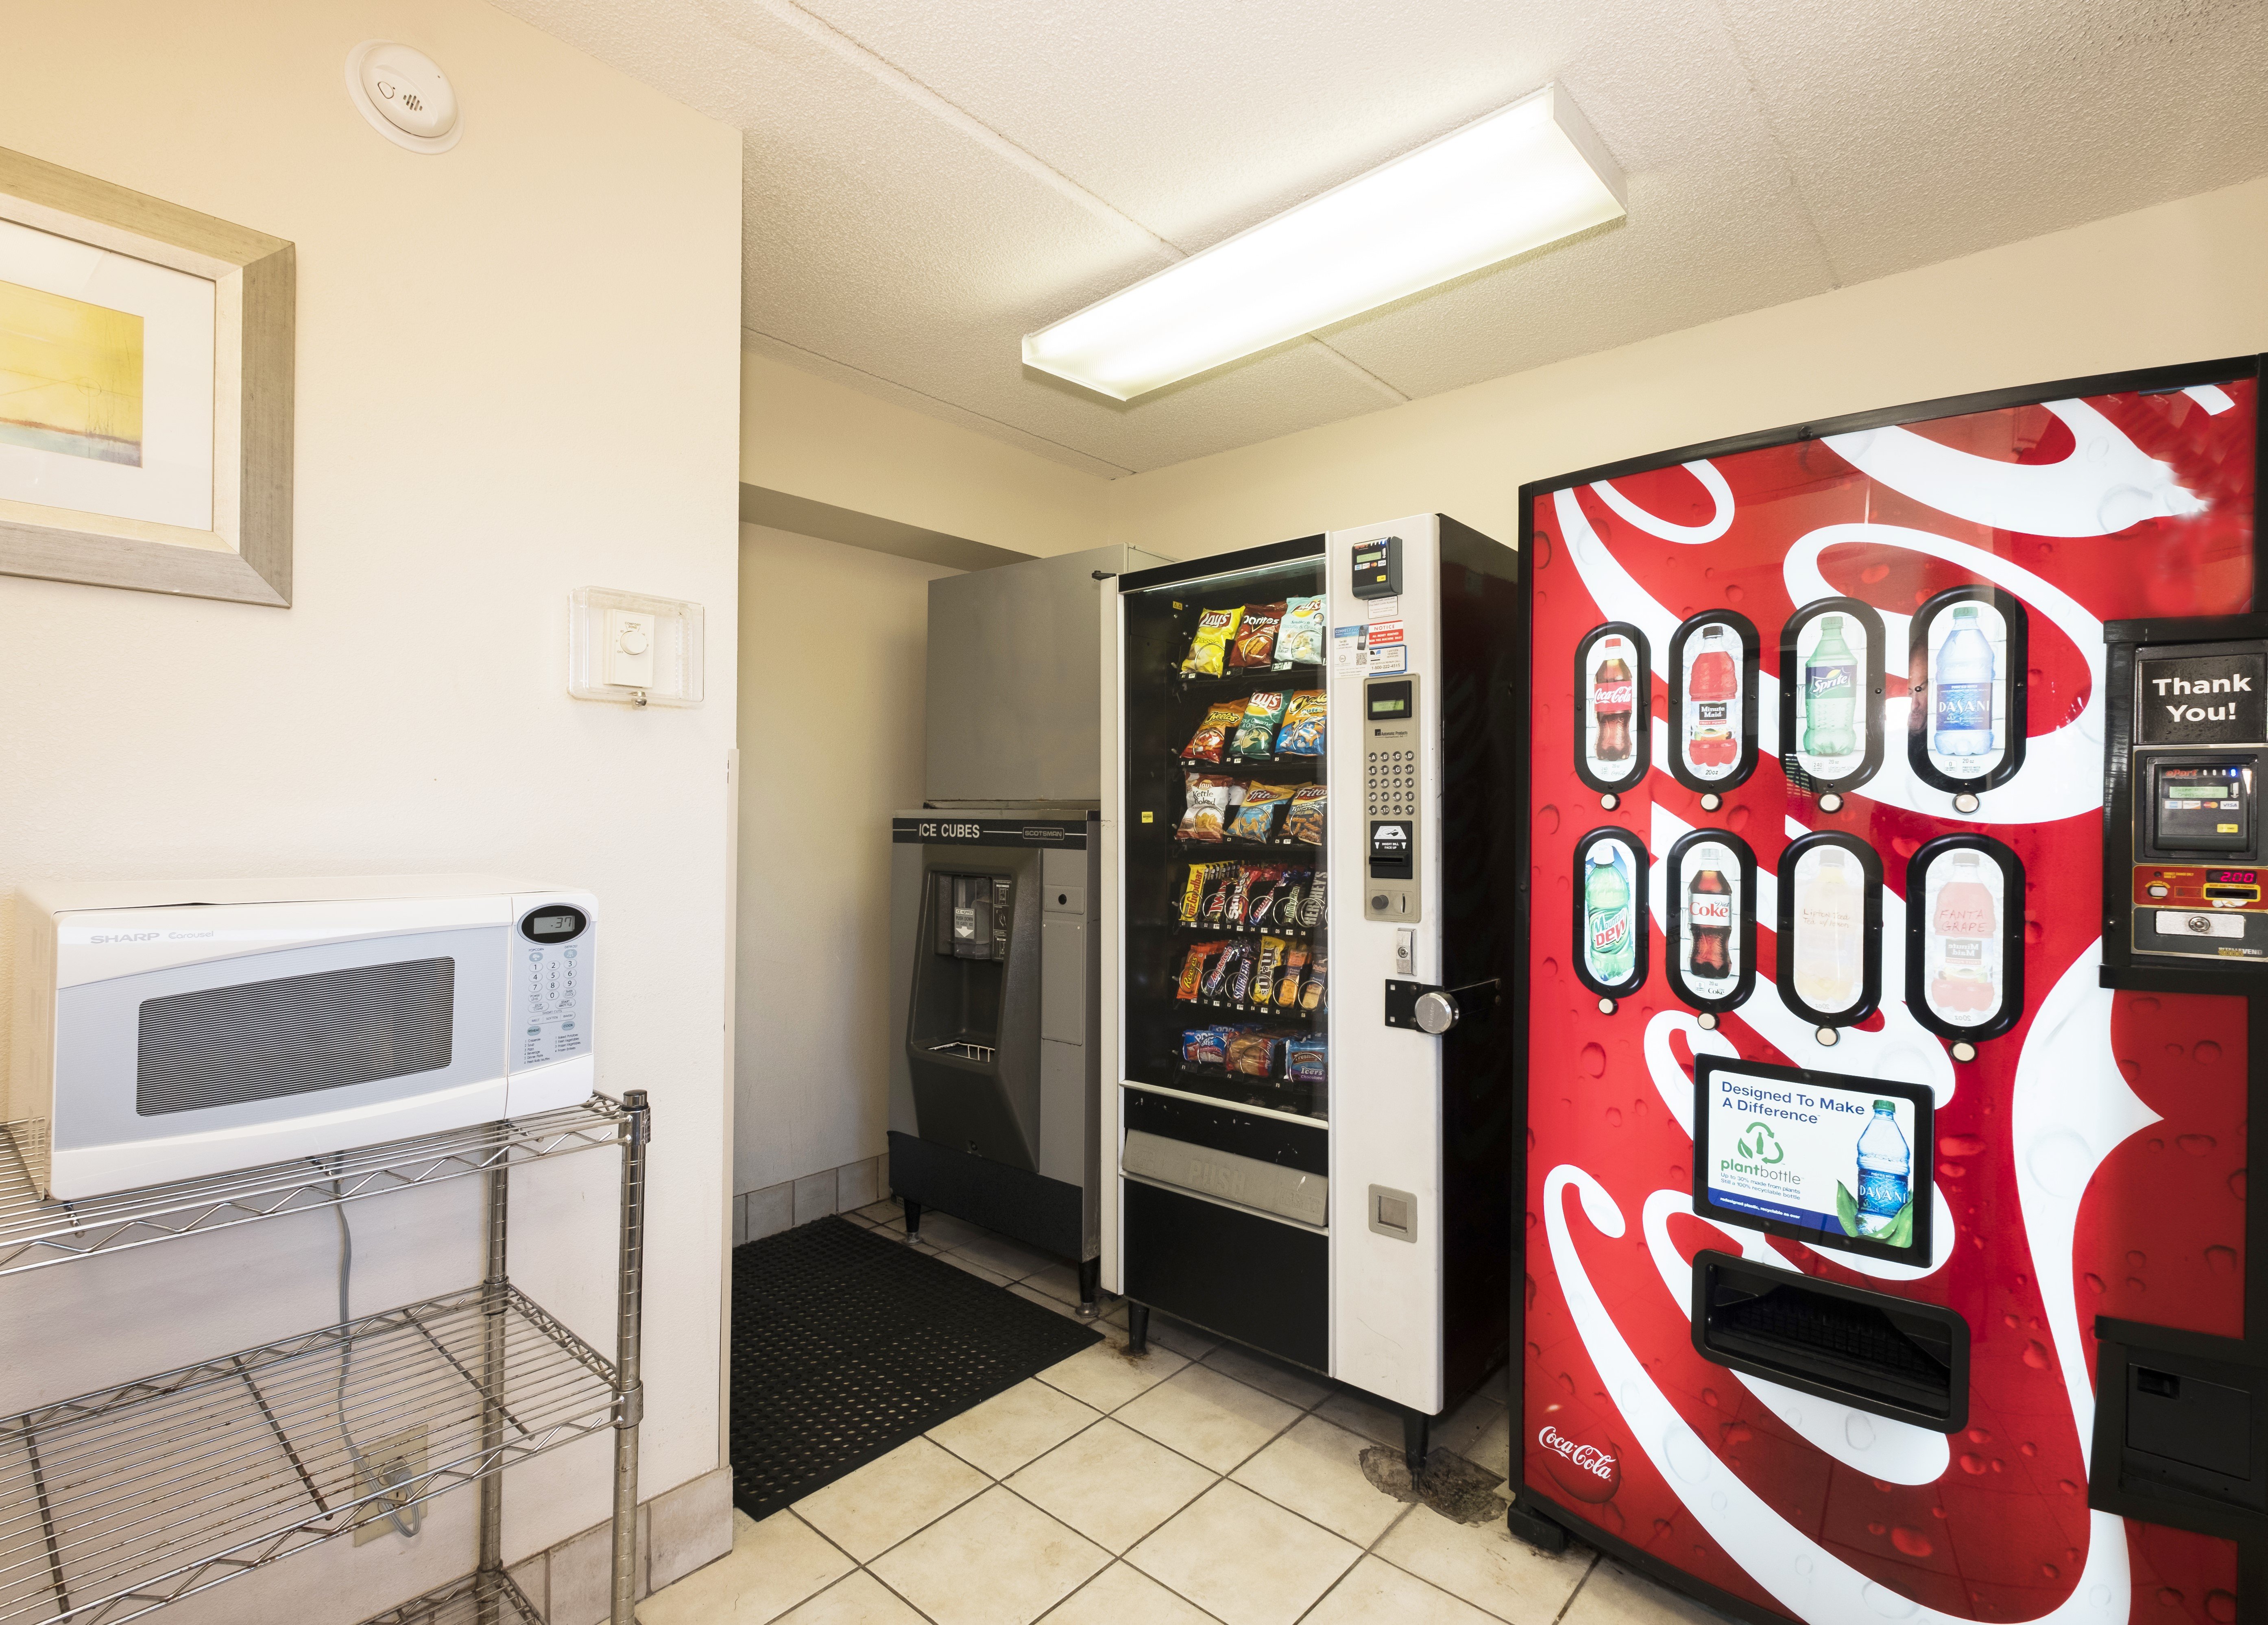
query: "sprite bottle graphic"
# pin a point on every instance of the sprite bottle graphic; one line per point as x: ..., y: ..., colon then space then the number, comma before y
x: 1885, y: 1171
x: 1609, y: 932
x: 1831, y: 693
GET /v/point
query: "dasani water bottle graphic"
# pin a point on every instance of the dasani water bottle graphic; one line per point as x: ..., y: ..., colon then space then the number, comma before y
x: 1885, y: 1172
x: 1960, y: 690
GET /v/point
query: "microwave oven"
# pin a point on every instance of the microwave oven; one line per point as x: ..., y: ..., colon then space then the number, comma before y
x: 170, y: 1030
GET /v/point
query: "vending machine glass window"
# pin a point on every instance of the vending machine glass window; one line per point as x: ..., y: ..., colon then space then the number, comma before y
x: 1226, y: 938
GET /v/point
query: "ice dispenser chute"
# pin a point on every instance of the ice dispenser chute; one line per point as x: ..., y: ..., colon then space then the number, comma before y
x: 972, y: 1090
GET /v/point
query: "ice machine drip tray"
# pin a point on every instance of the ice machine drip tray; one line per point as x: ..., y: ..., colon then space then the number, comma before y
x: 1869, y: 1350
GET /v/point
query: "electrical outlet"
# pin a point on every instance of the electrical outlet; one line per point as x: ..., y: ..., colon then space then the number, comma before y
x: 397, y: 1459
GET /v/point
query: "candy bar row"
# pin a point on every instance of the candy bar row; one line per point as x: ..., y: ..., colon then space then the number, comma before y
x: 1256, y: 973
x: 1261, y: 727
x: 1217, y: 808
x: 1253, y: 896
x: 1289, y: 632
x: 1249, y: 1050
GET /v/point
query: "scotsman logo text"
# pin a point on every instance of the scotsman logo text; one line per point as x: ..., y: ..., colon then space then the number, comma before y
x: 1590, y: 1458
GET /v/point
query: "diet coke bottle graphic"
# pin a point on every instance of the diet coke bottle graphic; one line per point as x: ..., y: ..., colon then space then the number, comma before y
x: 1709, y: 920
x: 1712, y: 706
x: 1964, y: 932
x: 1614, y: 697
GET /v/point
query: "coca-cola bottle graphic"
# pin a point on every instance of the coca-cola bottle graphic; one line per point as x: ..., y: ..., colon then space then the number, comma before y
x: 1614, y: 697
x: 1713, y: 696
x: 1964, y: 933
x: 1709, y: 928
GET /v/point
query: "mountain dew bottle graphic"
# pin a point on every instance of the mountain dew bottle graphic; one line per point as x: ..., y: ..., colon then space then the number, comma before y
x: 1885, y: 1171
x: 1831, y: 693
x: 1609, y: 932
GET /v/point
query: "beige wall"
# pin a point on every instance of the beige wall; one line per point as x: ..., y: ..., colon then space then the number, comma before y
x: 2184, y: 282
x: 518, y: 373
x: 833, y: 641
x: 811, y: 437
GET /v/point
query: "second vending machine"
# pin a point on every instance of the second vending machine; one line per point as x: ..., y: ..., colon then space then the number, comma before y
x: 1893, y: 929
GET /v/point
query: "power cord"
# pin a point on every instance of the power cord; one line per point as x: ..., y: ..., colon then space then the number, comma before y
x: 406, y: 1520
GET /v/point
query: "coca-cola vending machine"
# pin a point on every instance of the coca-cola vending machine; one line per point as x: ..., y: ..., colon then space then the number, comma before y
x: 1894, y: 925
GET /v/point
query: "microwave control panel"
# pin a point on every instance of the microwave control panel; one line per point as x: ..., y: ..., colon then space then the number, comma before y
x: 551, y: 986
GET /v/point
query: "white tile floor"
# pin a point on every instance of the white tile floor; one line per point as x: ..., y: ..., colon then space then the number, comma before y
x: 1201, y: 1485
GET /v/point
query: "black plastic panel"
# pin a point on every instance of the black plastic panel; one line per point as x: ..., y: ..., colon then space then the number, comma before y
x: 1224, y: 1129
x: 1034, y: 1209
x: 1260, y: 1282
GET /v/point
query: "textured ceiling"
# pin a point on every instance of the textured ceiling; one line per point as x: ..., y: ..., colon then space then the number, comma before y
x: 926, y: 183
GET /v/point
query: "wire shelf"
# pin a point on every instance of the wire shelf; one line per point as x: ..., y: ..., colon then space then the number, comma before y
x: 36, y: 1233
x: 116, y: 1504
x: 461, y: 1602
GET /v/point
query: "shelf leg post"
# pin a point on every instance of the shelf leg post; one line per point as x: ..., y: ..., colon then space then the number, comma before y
x: 629, y: 1310
x: 492, y: 1378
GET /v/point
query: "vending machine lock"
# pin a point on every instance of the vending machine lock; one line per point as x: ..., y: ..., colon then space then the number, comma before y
x: 1420, y: 1007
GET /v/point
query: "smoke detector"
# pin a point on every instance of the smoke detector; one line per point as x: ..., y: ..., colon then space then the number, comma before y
x: 405, y: 96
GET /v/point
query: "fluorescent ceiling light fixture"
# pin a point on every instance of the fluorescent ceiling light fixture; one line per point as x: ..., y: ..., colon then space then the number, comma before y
x: 1515, y: 180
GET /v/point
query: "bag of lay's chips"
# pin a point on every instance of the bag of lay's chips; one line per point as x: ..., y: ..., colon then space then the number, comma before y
x: 1302, y: 734
x: 1255, y: 740
x: 1299, y: 635
x: 1208, y: 653
x: 1205, y: 745
x: 1254, y: 643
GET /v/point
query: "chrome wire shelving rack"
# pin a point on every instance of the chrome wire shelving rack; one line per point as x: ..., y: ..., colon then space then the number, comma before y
x: 116, y: 1504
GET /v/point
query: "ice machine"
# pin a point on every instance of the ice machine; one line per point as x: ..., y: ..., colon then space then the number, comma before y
x: 1894, y: 925
x: 1308, y: 838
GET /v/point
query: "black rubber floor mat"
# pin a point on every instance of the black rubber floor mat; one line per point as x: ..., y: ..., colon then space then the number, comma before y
x: 846, y: 1344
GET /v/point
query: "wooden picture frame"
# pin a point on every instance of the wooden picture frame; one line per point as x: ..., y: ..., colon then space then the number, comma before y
x: 245, y: 555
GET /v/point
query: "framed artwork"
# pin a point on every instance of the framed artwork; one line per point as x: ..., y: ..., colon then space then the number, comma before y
x: 145, y: 392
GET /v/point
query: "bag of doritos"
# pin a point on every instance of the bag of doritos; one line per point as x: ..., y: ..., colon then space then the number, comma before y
x: 1254, y: 643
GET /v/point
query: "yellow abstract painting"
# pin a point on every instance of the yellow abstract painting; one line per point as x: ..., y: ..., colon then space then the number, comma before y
x: 71, y: 376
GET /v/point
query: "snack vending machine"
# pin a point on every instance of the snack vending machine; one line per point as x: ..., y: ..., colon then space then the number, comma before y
x: 1309, y: 829
x: 1893, y: 932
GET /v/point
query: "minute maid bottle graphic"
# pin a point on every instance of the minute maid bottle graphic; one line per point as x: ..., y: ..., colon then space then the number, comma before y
x: 1883, y: 1209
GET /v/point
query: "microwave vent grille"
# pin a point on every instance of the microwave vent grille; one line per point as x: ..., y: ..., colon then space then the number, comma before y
x: 261, y: 1040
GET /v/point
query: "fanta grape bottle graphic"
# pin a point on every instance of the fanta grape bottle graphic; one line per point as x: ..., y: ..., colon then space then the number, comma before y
x: 1964, y: 933
x: 1885, y: 1171
x: 1827, y: 924
x: 1711, y: 710
x: 1614, y: 695
x: 1609, y: 941
x: 1831, y: 693
x: 1960, y: 690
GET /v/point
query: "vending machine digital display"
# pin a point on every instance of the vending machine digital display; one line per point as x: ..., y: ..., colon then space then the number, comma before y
x: 1893, y: 920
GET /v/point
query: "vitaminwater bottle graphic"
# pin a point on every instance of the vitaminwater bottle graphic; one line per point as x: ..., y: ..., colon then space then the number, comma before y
x: 1965, y: 934
x: 1885, y: 1172
x: 1962, y: 676
x: 1614, y: 697
x: 1610, y: 933
x: 1831, y: 693
x: 1712, y: 709
x: 1827, y: 935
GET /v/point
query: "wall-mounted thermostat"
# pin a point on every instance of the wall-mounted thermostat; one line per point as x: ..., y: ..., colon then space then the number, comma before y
x: 405, y: 96
x: 633, y: 649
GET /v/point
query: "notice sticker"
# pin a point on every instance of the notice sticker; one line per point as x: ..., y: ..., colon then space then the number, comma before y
x: 1385, y: 632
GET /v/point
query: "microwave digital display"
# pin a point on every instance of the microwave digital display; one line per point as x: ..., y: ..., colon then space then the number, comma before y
x: 553, y: 925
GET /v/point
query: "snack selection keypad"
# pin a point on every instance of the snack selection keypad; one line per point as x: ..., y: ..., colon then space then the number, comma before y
x: 1392, y: 799
x: 551, y: 990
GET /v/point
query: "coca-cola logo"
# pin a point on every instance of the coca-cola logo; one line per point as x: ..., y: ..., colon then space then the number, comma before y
x: 1590, y: 1458
x: 1615, y: 696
